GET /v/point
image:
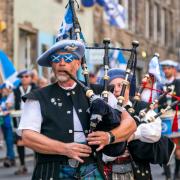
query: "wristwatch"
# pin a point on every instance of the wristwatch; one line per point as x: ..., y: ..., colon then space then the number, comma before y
x: 112, y: 137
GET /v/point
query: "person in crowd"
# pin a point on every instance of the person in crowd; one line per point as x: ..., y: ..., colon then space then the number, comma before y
x: 35, y: 77
x: 92, y: 78
x: 169, y: 69
x: 178, y: 72
x: 122, y: 167
x: 25, y: 87
x: 42, y: 82
x: 5, y: 106
x: 55, y: 121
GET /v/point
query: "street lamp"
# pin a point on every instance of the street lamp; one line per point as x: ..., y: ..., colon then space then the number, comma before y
x: 2, y: 26
x: 144, y: 54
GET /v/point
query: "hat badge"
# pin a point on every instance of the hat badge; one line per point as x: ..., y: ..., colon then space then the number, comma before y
x: 72, y: 47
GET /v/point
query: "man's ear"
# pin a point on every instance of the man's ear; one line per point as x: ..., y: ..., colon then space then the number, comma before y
x: 78, y: 63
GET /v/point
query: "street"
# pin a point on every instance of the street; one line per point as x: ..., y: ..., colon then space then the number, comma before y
x: 8, y: 173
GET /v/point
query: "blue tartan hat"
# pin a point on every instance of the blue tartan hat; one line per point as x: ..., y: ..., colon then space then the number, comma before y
x: 72, y: 46
x: 117, y: 73
x: 24, y: 72
x: 169, y: 63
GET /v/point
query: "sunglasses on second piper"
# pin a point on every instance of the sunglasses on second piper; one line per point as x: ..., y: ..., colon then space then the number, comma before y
x: 25, y: 76
x: 56, y: 58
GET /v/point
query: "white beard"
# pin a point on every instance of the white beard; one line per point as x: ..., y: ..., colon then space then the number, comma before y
x: 62, y: 78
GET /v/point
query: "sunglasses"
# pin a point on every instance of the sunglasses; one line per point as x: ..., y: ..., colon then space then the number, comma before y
x: 68, y: 58
x: 25, y: 76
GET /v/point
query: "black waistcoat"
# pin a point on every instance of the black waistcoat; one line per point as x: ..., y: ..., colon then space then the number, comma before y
x: 57, y: 112
x: 17, y: 96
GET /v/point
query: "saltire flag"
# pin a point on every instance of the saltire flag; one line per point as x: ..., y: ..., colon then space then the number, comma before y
x: 115, y: 13
x: 100, y: 2
x: 66, y: 30
x: 154, y: 68
x: 66, y: 26
x: 8, y: 71
x: 117, y: 59
x: 90, y: 3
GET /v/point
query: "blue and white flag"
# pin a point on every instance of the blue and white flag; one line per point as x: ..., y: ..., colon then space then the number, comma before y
x: 8, y: 71
x: 100, y: 2
x: 115, y: 13
x: 88, y: 3
x: 118, y: 60
x: 66, y: 26
x: 154, y: 68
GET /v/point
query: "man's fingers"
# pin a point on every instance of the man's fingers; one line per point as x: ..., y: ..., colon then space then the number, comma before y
x: 94, y: 139
x: 83, y: 155
x: 94, y: 142
x: 83, y: 146
x: 82, y: 149
x: 100, y: 148
x: 95, y: 134
x: 79, y: 159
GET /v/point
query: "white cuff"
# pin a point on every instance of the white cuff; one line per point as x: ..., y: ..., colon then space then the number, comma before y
x: 137, y: 134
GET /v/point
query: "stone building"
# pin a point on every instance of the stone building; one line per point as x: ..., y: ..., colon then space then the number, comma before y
x: 154, y: 23
x: 6, y: 32
x: 31, y: 28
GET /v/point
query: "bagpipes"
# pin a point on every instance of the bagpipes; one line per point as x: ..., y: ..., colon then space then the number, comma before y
x: 161, y: 151
x: 102, y: 116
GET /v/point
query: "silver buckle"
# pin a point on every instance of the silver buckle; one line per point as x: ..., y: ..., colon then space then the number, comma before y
x: 73, y: 163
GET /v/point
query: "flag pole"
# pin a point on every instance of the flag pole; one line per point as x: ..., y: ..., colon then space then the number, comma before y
x: 77, y: 30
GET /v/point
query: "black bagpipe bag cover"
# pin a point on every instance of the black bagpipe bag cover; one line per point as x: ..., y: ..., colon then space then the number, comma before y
x: 110, y: 120
x: 159, y: 152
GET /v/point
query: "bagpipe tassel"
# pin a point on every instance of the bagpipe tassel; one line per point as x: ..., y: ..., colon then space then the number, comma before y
x: 175, y: 121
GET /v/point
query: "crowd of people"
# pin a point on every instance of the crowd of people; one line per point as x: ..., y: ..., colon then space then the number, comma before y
x: 10, y: 101
x: 54, y: 120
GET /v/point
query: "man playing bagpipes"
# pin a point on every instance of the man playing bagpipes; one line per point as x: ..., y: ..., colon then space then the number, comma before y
x: 150, y: 133
x: 146, y: 145
x: 55, y: 121
x: 169, y: 68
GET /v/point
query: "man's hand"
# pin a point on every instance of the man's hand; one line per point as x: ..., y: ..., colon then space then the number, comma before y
x: 100, y: 138
x: 76, y: 151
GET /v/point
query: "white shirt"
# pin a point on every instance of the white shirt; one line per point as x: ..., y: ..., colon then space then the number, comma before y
x: 32, y: 119
x: 149, y: 132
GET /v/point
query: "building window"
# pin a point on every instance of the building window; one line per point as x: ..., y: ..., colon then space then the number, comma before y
x: 171, y: 34
x: 132, y: 14
x: 162, y: 26
x: 155, y: 13
x: 158, y: 19
x: 166, y: 27
x: 147, y: 22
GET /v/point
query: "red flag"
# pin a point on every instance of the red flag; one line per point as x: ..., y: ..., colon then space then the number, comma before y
x: 175, y: 121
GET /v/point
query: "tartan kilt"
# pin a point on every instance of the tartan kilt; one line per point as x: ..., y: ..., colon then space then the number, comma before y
x: 125, y: 176
x: 57, y: 171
